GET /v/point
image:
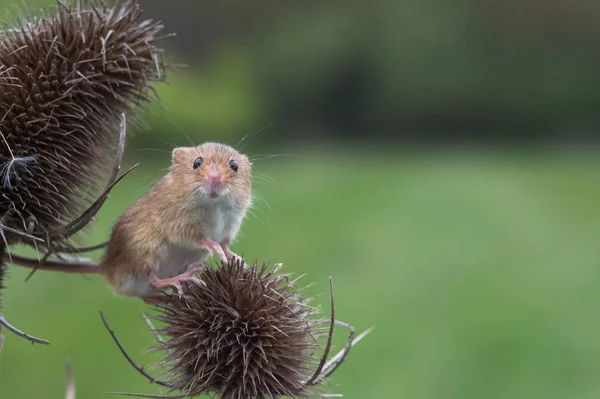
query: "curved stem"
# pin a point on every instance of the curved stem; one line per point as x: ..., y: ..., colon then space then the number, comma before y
x: 16, y: 331
x: 139, y: 369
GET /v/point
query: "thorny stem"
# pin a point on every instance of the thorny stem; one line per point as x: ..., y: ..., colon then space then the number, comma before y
x: 140, y: 369
x: 89, y: 214
x: 90, y: 248
x: 20, y: 333
x: 312, y: 380
x: 43, y: 264
x: 337, y: 360
x: 15, y: 259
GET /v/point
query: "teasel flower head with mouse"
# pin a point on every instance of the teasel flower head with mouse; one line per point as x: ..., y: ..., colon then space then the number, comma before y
x: 246, y: 332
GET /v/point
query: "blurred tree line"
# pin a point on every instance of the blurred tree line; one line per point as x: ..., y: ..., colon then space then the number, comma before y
x: 421, y: 69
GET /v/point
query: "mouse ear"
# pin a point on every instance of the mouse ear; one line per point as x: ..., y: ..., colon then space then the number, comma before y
x: 174, y: 153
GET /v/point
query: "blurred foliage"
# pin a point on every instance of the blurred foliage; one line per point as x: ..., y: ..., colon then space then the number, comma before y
x: 354, y: 68
x: 362, y: 67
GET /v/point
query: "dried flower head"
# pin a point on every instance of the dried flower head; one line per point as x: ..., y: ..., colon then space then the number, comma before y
x: 65, y: 79
x: 244, y: 333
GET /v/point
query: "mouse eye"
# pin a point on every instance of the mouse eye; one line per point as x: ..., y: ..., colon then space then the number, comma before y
x: 198, y: 162
x: 233, y: 165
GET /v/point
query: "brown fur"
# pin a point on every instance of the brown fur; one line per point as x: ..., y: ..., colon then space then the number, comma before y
x: 165, y: 211
x: 168, y: 211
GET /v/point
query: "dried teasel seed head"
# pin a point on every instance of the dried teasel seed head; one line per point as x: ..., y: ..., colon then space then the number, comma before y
x: 244, y: 334
x: 65, y: 79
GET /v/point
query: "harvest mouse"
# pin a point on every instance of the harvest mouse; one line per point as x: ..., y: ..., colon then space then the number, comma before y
x: 195, y: 210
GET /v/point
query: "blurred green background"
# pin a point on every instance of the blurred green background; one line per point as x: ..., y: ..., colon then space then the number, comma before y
x: 437, y: 159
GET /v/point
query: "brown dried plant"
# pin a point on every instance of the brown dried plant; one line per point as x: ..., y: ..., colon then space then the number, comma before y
x: 67, y: 79
x: 247, y: 332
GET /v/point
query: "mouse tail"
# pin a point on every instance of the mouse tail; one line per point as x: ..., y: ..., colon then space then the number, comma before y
x: 64, y: 267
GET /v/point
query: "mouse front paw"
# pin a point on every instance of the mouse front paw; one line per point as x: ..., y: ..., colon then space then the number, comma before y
x: 212, y: 247
x: 229, y: 254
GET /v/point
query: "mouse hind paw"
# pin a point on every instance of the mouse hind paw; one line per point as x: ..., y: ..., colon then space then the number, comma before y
x: 194, y: 268
x: 175, y: 282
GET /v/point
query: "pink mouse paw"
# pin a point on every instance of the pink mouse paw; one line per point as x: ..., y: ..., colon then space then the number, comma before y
x: 194, y: 268
x: 213, y: 247
x: 229, y: 254
x: 176, y: 283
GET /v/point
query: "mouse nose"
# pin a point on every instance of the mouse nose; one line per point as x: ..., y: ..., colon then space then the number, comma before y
x: 214, y: 178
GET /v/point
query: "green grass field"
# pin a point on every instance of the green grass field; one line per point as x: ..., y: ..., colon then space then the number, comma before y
x: 480, y: 274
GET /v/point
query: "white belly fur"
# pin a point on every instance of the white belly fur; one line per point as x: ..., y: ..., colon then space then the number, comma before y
x: 175, y: 257
x: 220, y: 223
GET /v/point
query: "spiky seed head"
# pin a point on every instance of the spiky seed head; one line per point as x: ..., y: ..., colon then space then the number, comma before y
x: 65, y: 79
x: 245, y: 334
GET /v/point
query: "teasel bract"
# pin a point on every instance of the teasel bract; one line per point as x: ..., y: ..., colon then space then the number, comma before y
x: 67, y: 78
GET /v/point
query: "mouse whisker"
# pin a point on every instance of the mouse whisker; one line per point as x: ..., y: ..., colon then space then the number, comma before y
x: 201, y: 192
x: 153, y: 149
x: 262, y: 221
x: 179, y: 128
x: 168, y: 143
x: 241, y: 144
x: 262, y: 157
x: 260, y: 199
x: 263, y: 178
x: 230, y: 196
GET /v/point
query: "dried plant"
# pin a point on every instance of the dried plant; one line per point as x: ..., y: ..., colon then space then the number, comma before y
x: 67, y: 79
x: 247, y: 332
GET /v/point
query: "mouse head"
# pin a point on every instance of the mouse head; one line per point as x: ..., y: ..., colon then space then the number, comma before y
x: 218, y: 170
